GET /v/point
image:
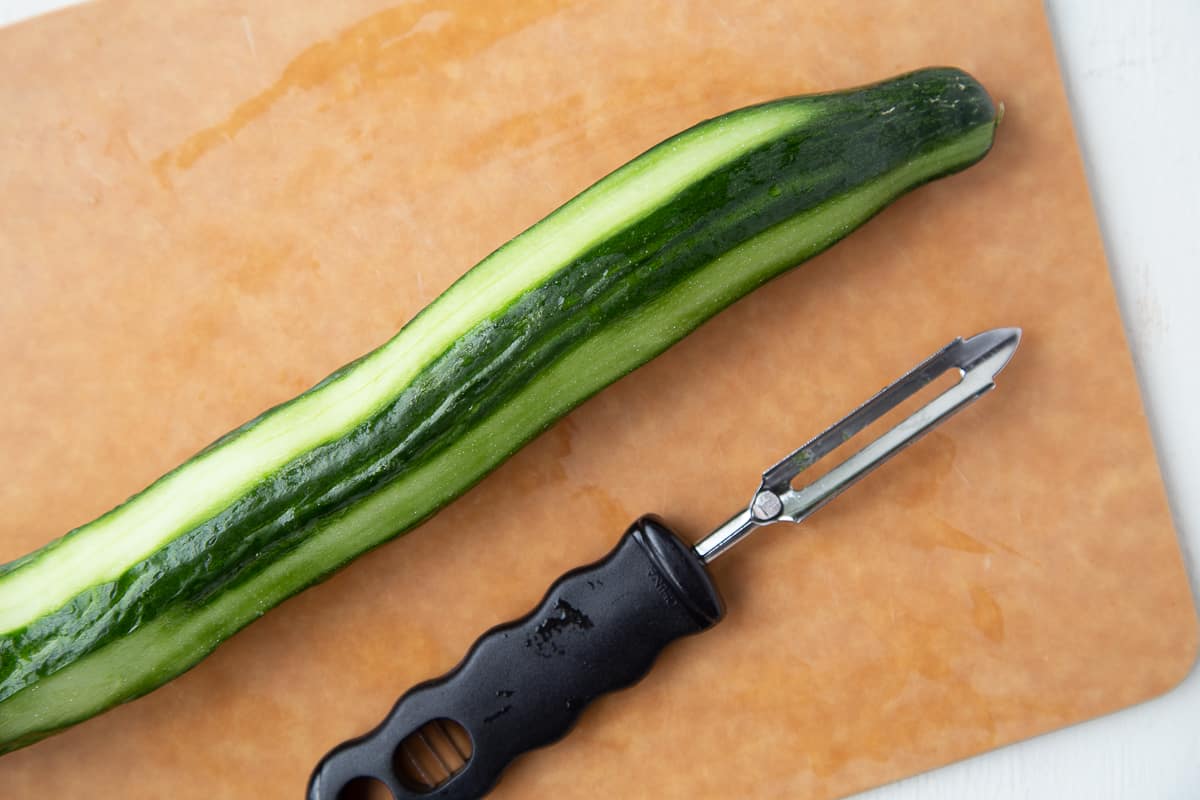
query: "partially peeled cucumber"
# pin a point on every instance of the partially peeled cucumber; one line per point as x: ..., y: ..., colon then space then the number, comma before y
x: 128, y: 601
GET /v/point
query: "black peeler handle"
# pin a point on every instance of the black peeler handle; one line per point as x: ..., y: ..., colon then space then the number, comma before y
x: 523, y: 685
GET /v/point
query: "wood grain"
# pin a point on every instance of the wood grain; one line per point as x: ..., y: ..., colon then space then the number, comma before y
x: 210, y: 208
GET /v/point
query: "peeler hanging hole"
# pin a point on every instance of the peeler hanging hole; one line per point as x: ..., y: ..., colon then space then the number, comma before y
x: 431, y: 755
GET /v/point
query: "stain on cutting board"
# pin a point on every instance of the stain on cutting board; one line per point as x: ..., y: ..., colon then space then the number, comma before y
x: 208, y: 208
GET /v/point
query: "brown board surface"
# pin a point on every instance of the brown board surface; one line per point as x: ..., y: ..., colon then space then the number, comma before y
x: 207, y: 207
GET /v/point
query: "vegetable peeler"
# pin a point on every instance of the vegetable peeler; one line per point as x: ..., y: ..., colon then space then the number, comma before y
x: 599, y: 628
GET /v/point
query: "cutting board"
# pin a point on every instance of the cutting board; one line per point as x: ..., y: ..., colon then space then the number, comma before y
x: 208, y: 207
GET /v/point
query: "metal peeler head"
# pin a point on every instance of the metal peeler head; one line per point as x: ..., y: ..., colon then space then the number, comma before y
x: 978, y: 360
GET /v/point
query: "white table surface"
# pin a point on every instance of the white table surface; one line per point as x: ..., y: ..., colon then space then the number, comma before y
x: 1131, y: 68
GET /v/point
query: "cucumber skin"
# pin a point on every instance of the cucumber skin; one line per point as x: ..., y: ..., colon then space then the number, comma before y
x: 852, y: 139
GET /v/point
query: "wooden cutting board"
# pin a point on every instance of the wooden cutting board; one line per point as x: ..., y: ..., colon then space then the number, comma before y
x: 207, y: 207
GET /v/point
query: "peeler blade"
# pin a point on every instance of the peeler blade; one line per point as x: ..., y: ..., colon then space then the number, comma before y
x: 978, y: 360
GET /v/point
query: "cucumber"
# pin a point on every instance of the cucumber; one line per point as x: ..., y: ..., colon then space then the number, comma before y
x: 128, y: 601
